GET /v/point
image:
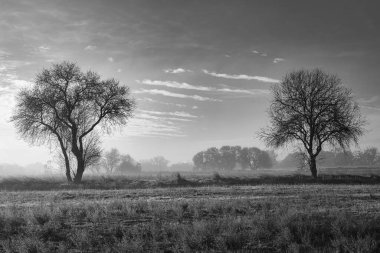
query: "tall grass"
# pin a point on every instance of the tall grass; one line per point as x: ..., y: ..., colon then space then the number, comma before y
x: 186, y: 226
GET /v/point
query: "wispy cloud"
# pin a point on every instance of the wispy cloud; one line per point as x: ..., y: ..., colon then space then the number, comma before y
x: 145, y: 125
x: 90, y: 48
x: 177, y: 85
x: 259, y: 53
x: 43, y: 48
x: 9, y: 80
x: 176, y: 71
x: 173, y: 84
x: 250, y: 92
x: 166, y: 119
x: 176, y: 95
x: 370, y: 100
x: 176, y: 113
x: 161, y: 102
x: 277, y: 60
x: 242, y: 77
x: 369, y: 103
x: 370, y: 107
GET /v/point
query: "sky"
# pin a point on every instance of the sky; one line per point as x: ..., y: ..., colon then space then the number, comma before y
x: 200, y: 71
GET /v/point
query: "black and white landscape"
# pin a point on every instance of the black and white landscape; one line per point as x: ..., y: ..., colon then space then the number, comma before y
x: 189, y: 126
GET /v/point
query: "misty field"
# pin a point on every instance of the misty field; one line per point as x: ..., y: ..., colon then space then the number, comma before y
x: 215, y: 218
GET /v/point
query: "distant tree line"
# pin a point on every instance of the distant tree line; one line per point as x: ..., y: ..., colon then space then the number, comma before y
x: 160, y: 163
x: 233, y: 157
x: 367, y: 157
x: 113, y: 162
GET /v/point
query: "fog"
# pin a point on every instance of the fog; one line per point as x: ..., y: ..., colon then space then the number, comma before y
x: 33, y: 169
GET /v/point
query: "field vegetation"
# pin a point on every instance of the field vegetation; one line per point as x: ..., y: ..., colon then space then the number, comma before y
x: 166, y: 179
x: 262, y: 218
x: 261, y: 211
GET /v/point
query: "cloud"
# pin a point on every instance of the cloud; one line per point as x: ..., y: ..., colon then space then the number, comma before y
x: 370, y: 100
x: 370, y: 107
x: 176, y: 95
x: 150, y: 126
x: 43, y: 48
x: 10, y: 83
x: 369, y: 103
x: 173, y: 84
x: 176, y: 71
x: 176, y: 114
x: 250, y: 92
x: 110, y: 59
x: 259, y: 53
x: 90, y: 48
x: 277, y: 60
x: 166, y: 119
x: 242, y: 77
x: 148, y: 123
x: 160, y: 102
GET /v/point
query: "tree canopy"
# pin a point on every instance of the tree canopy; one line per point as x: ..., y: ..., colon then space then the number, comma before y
x: 68, y: 106
x: 313, y: 108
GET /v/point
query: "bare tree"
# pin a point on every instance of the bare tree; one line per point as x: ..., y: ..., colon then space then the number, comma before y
x: 313, y: 108
x: 66, y: 105
x: 92, y: 151
x: 111, y: 160
x: 369, y: 156
x: 158, y: 163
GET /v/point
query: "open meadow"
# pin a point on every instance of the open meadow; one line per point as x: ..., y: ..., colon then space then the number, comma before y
x: 193, y: 213
x: 189, y: 126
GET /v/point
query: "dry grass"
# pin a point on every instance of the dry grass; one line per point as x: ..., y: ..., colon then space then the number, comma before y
x: 192, y: 212
x: 264, y: 218
x: 191, y: 179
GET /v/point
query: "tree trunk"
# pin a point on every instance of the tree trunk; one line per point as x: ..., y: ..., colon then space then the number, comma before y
x: 313, y: 166
x: 67, y: 161
x: 68, y: 171
x: 80, y: 170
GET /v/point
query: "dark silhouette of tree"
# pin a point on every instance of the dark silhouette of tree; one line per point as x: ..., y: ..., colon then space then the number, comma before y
x: 265, y: 160
x: 250, y: 158
x: 68, y: 106
x: 198, y: 160
x: 227, y: 158
x: 313, y: 108
x: 231, y: 157
x: 255, y: 158
x: 212, y: 158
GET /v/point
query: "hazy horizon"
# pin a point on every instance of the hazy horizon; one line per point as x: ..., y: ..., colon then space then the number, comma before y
x: 200, y: 71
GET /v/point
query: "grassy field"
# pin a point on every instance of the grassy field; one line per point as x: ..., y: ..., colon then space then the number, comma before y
x: 147, y: 180
x: 214, y: 218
